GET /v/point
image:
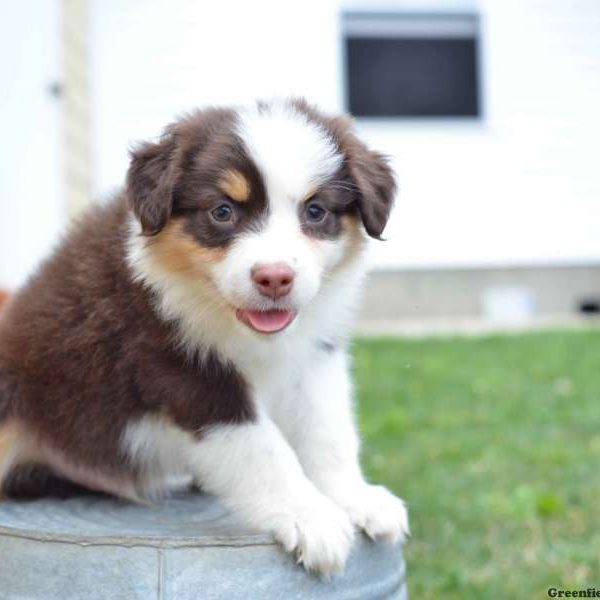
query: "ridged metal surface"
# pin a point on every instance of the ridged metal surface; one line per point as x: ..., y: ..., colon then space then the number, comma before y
x: 188, y: 547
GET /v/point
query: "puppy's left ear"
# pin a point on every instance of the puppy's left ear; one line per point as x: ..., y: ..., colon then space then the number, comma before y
x: 372, y: 176
x: 376, y: 189
x: 151, y: 178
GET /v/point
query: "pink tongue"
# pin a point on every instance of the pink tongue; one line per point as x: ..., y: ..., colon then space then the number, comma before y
x: 268, y: 321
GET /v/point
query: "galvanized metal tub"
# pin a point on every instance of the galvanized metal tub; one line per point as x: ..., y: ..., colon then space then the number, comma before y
x: 188, y: 547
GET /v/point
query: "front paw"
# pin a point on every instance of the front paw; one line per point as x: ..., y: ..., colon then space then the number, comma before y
x: 318, y: 532
x: 377, y: 511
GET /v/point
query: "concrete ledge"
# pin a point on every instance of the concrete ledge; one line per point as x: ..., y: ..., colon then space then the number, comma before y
x: 555, y: 291
x: 188, y: 547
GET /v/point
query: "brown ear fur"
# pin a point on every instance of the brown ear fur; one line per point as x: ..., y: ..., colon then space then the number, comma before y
x: 373, y: 178
x: 368, y: 170
x: 151, y: 177
x: 377, y: 188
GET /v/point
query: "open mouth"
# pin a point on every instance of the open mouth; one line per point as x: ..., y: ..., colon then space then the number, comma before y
x: 266, y: 321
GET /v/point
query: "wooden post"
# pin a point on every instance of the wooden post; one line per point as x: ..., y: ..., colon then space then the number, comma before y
x: 75, y: 105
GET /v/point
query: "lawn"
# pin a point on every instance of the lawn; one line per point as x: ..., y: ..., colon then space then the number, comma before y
x: 494, y: 443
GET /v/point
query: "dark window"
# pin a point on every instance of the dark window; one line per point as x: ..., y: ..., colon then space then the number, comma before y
x: 412, y: 65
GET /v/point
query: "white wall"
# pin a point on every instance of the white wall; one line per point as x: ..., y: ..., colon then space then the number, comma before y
x: 31, y: 207
x: 523, y: 185
x: 151, y: 62
x: 520, y: 186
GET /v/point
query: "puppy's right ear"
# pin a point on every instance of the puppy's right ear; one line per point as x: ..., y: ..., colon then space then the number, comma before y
x: 151, y: 178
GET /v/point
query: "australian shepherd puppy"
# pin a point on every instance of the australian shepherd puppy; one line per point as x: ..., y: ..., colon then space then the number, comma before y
x: 197, y: 327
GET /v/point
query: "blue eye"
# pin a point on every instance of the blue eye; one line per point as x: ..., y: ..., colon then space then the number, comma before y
x: 315, y: 213
x: 222, y: 213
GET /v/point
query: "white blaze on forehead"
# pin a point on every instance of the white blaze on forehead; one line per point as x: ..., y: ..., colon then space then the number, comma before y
x: 293, y: 154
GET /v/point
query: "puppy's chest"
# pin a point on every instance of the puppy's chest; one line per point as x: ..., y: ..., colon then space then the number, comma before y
x: 277, y: 384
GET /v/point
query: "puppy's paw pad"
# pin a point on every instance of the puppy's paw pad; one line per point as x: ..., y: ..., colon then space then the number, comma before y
x: 381, y: 514
x: 320, y: 534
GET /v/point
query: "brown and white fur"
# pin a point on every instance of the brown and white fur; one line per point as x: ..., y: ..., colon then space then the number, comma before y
x: 196, y: 327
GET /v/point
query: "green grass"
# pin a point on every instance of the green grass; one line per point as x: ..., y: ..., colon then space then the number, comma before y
x: 495, y: 445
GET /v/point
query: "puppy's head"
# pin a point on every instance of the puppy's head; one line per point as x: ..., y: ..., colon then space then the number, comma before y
x: 261, y: 205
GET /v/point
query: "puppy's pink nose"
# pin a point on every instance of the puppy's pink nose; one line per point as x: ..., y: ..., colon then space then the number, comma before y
x: 273, y: 280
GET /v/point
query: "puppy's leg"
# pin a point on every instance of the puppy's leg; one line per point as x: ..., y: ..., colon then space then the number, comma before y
x: 256, y: 473
x: 324, y: 436
x: 11, y: 449
x: 21, y: 476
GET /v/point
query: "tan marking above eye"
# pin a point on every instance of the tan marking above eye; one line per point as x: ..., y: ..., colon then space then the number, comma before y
x: 235, y: 185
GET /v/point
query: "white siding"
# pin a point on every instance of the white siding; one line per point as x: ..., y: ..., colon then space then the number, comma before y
x: 31, y: 207
x: 151, y: 62
x: 520, y: 186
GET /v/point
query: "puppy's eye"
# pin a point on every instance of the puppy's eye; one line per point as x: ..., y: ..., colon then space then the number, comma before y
x: 315, y: 213
x: 222, y: 214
